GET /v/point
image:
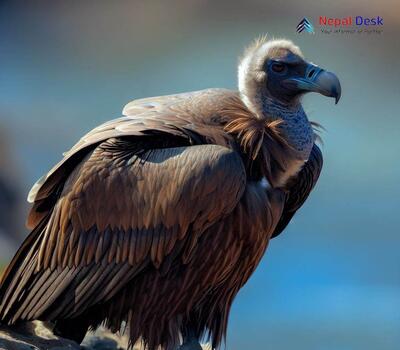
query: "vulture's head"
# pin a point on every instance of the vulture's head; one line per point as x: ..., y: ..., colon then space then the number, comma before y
x: 275, y: 71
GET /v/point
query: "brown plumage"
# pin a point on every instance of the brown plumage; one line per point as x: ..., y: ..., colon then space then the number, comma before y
x: 157, y: 219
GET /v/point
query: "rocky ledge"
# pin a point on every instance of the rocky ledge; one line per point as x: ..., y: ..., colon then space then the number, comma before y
x: 38, y: 336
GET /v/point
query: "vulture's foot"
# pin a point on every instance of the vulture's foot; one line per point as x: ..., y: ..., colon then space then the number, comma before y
x: 73, y: 329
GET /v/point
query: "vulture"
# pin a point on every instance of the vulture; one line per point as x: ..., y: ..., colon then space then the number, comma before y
x: 153, y: 221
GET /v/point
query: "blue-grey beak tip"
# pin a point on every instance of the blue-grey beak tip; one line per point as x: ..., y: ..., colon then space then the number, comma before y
x: 337, y: 98
x: 328, y: 84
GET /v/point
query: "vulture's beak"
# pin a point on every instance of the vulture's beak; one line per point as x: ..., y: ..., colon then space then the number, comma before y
x: 318, y: 80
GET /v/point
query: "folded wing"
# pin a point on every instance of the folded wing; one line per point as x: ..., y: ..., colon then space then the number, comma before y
x: 300, y: 187
x: 121, y: 208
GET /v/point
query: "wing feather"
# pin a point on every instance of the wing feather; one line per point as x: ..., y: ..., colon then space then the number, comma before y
x: 300, y: 187
x: 174, y: 115
x: 79, y: 260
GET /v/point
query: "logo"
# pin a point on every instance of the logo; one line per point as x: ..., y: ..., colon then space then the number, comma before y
x: 342, y: 25
x: 305, y: 25
x: 350, y: 21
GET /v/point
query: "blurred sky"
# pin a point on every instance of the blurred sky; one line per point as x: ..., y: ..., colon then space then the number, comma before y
x: 332, y: 280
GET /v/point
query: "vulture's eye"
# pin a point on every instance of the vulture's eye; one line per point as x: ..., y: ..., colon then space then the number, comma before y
x: 278, y: 67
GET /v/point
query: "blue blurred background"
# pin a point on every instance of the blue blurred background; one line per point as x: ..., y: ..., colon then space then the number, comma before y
x: 332, y: 280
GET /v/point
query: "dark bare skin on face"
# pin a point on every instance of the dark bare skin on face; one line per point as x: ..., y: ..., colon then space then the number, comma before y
x: 158, y: 218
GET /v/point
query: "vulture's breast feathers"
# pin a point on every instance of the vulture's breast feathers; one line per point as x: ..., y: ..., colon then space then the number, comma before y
x: 273, y: 147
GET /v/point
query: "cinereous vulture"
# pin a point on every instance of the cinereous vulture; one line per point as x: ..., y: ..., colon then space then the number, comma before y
x: 155, y: 220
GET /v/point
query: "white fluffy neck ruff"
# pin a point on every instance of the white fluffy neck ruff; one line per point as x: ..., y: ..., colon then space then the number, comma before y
x: 249, y: 80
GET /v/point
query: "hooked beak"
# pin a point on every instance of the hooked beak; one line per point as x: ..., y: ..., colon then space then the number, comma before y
x: 318, y: 80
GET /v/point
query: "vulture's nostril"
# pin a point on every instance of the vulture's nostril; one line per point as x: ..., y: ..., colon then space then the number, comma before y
x: 311, y: 73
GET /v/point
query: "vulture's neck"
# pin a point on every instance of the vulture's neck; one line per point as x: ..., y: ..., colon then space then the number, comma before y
x: 295, y: 126
x: 277, y: 138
